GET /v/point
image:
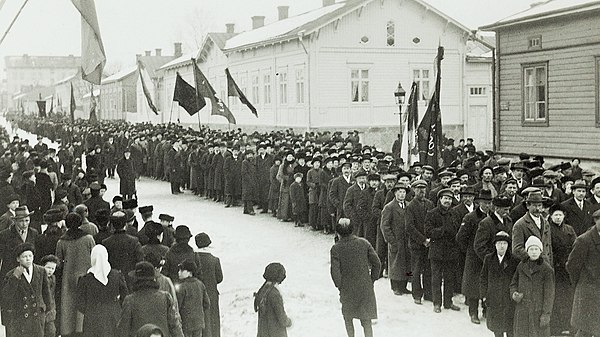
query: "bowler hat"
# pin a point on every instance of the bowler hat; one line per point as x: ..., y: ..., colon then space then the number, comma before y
x: 22, y: 212
x: 202, y: 240
x: 501, y: 201
x: 373, y: 177
x: 400, y: 186
x: 360, y: 173
x: 535, y: 197
x: 467, y: 190
x: 182, y: 232
x: 594, y: 182
x: 274, y: 272
x: 144, y: 271
x: 484, y: 195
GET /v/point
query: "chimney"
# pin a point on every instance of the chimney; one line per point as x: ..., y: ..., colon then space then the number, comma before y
x: 328, y: 3
x: 258, y: 21
x: 158, y: 51
x: 147, y: 53
x: 230, y: 28
x: 137, y: 57
x: 177, y: 51
x: 283, y: 12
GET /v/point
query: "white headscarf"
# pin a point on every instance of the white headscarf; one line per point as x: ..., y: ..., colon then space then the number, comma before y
x: 100, y: 265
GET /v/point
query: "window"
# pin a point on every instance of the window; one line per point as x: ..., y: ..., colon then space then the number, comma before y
x: 359, y: 85
x: 477, y: 91
x: 255, y: 94
x: 267, y: 87
x: 423, y: 79
x: 283, y: 86
x: 391, y: 34
x: 300, y: 85
x: 534, y: 42
x: 535, y: 93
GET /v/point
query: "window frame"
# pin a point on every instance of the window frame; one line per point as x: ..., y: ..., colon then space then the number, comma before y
x: 267, y: 87
x: 531, y: 38
x: 361, y: 81
x: 388, y: 24
x: 300, y: 84
x: 255, y: 87
x: 281, y: 85
x: 420, y: 80
x: 535, y: 121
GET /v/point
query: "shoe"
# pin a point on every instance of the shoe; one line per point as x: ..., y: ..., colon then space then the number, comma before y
x: 301, y: 225
x: 453, y: 307
x: 227, y: 206
x: 251, y: 213
x: 398, y: 292
x: 418, y: 301
x: 475, y: 320
x: 405, y: 291
x: 437, y: 309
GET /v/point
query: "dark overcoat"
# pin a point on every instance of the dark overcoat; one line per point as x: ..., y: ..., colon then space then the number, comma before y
x: 232, y: 177
x: 563, y: 238
x: 473, y: 264
x: 495, y: 279
x: 9, y: 240
x: 211, y: 275
x: 274, y: 185
x: 272, y: 319
x: 579, y: 219
x: 25, y: 304
x: 584, y: 269
x: 483, y: 244
x: 526, y: 227
x: 124, y: 251
x: 337, y: 192
x: 217, y: 164
x: 313, y: 180
x: 441, y: 227
x: 249, y: 182
x: 416, y: 213
x: 298, y: 199
x: 393, y: 227
x: 354, y: 268
x: 100, y: 304
x: 126, y: 173
x: 175, y: 255
x: 535, y: 280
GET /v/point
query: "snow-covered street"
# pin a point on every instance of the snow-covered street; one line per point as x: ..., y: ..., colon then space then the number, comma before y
x: 246, y: 244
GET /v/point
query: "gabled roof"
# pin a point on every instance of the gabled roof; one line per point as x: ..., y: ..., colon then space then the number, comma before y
x: 120, y: 75
x: 309, y: 22
x: 180, y: 61
x: 213, y: 39
x: 154, y: 63
x: 546, y: 10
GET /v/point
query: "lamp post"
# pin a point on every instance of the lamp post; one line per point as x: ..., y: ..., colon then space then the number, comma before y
x: 400, y: 95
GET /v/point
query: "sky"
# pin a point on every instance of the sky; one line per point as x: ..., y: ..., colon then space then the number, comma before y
x: 129, y: 27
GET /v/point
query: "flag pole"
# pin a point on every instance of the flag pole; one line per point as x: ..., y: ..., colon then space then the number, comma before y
x: 13, y: 21
x: 171, y: 114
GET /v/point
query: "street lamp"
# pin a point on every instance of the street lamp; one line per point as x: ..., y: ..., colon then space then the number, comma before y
x: 400, y: 95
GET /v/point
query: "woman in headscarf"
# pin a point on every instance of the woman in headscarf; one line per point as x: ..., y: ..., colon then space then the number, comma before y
x: 73, y: 251
x: 272, y: 319
x: 100, y: 294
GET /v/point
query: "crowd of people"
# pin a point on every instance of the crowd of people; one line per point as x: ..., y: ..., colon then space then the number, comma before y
x: 517, y: 237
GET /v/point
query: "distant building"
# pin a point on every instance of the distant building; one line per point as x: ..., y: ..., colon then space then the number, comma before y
x: 548, y: 80
x: 29, y: 70
x: 337, y: 67
x: 117, y: 94
x: 62, y: 95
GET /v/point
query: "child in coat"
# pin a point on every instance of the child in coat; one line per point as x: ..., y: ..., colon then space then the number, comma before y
x: 49, y: 262
x: 192, y: 299
x: 496, y: 275
x: 298, y: 199
x: 532, y: 287
x: 272, y: 319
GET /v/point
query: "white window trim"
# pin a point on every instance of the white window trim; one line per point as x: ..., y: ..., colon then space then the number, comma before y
x: 421, y: 67
x: 280, y: 92
x: 300, y: 67
x: 534, y: 121
x: 360, y: 68
x: 270, y: 86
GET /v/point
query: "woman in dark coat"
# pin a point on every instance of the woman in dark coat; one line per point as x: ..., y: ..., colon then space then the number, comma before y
x: 99, y: 296
x: 563, y: 238
x: 126, y: 173
x: 274, y: 186
x: 354, y: 268
x: 211, y: 275
x: 285, y: 176
x: 272, y: 319
x: 495, y: 280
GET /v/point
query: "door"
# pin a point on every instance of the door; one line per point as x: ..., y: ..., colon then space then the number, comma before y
x: 479, y: 117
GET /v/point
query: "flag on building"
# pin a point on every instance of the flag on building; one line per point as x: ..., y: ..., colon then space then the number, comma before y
x: 72, y: 105
x: 234, y: 90
x: 204, y: 89
x: 430, y: 130
x: 185, y: 95
x: 93, y: 57
x: 93, y: 106
x: 409, y: 130
x: 144, y: 73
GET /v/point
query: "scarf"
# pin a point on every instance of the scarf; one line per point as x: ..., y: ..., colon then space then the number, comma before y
x: 100, y: 265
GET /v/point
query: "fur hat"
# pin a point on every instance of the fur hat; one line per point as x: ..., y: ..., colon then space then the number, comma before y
x: 53, y: 215
x: 144, y: 271
x: 182, y: 232
x: 534, y: 241
x: 274, y: 272
x: 23, y: 247
x: 202, y: 240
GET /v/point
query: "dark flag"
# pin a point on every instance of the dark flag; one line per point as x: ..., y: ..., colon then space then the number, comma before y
x: 72, y: 105
x: 185, y: 95
x: 234, y: 90
x: 204, y: 89
x: 430, y: 130
x: 41, y: 108
x: 93, y: 106
x: 145, y: 88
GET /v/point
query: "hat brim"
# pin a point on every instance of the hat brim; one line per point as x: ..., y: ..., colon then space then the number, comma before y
x: 23, y: 216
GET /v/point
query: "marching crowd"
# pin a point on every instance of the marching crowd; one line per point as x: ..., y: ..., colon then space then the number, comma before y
x: 518, y: 238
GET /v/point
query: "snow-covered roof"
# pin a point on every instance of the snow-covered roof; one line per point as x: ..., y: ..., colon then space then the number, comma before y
x: 67, y: 79
x: 120, y: 75
x: 309, y: 22
x: 546, y: 9
x: 180, y: 60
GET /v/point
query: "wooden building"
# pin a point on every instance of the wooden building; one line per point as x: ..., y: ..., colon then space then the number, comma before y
x: 548, y: 80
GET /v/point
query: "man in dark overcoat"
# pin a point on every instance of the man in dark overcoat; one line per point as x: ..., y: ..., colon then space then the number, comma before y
x: 313, y: 180
x: 354, y: 268
x: 264, y: 161
x: 389, y: 180
x: 393, y: 227
x: 584, y: 269
x: 124, y: 250
x: 532, y: 223
x: 18, y: 233
x: 351, y: 201
x: 338, y: 188
x: 217, y: 164
x: 126, y: 173
x: 464, y: 207
x: 578, y: 210
x: 443, y: 252
x: 249, y: 183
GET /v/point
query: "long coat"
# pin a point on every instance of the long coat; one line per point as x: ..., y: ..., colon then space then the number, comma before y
x: 473, y: 264
x: 211, y: 275
x: 486, y: 231
x: 73, y: 251
x: 337, y: 193
x: 441, y: 228
x: 25, y: 304
x: 193, y: 301
x: 579, y: 219
x: 393, y: 227
x: 299, y: 206
x: 354, y: 268
x: 249, y: 182
x: 9, y: 240
x: 217, y: 164
x: 313, y: 180
x: 495, y: 279
x: 416, y: 213
x: 101, y: 304
x: 584, y: 269
x: 563, y: 237
x: 126, y: 173
x: 274, y: 185
x: 124, y: 251
x: 535, y: 280
x: 232, y: 177
x: 175, y: 255
x: 272, y: 319
x: 526, y: 227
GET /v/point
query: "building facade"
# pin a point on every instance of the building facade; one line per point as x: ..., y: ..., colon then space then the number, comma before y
x: 548, y: 80
x: 118, y: 94
x: 27, y: 70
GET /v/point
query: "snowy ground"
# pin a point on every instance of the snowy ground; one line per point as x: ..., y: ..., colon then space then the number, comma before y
x: 246, y: 244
